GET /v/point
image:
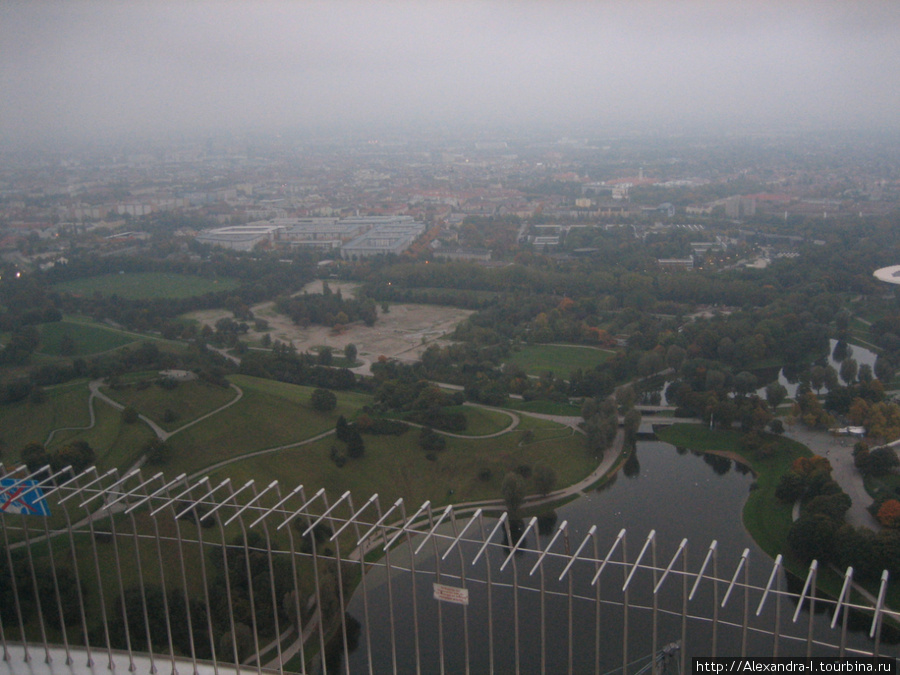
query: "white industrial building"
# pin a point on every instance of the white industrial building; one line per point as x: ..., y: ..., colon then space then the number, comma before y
x: 389, y: 237
x: 240, y: 237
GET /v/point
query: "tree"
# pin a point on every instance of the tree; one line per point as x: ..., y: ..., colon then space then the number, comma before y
x: 34, y: 456
x: 865, y: 374
x: 156, y: 451
x: 877, y: 462
x: 631, y: 424
x: 431, y: 441
x: 775, y: 395
x: 831, y: 378
x: 790, y: 487
x: 858, y: 411
x: 889, y: 513
x: 544, y: 478
x: 674, y: 357
x: 350, y: 353
x: 356, y: 448
x: 884, y: 421
x: 323, y: 400
x: 834, y: 505
x: 513, y: 489
x: 745, y: 382
x: 841, y: 351
x: 338, y: 456
x: 812, y: 537
x: 849, y: 369
x: 817, y: 378
x: 325, y: 356
x: 650, y: 362
x: 342, y: 429
x: 77, y: 454
x: 625, y: 397
x: 884, y: 370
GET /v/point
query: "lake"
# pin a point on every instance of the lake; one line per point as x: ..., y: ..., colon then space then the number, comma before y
x: 676, y: 493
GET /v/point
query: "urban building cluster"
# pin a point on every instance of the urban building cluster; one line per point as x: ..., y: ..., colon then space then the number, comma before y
x: 354, y: 199
x: 358, y: 237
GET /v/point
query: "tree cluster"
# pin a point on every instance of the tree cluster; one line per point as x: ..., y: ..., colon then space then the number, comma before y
x: 327, y: 309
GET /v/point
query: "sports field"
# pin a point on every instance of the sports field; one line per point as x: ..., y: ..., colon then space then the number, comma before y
x: 144, y: 285
x: 85, y: 338
x: 558, y: 359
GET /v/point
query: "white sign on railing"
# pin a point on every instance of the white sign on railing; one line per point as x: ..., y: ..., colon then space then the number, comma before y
x: 458, y: 596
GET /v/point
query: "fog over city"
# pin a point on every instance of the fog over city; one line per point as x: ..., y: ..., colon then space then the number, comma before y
x: 82, y: 70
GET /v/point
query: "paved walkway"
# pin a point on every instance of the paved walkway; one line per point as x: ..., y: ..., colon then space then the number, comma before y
x: 839, y: 451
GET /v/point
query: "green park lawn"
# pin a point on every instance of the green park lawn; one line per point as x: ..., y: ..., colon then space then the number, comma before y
x: 25, y: 422
x: 142, y: 285
x: 560, y: 360
x: 88, y: 338
x: 188, y: 400
x: 395, y: 466
x: 481, y: 422
x: 270, y: 414
x: 116, y: 444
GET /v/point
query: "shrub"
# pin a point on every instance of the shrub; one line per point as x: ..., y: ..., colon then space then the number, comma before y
x: 338, y: 456
x: 356, y: 448
x: 889, y: 513
x: 430, y: 441
x: 323, y: 400
x: 167, y: 383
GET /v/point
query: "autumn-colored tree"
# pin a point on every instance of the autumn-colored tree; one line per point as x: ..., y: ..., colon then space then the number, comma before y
x: 889, y: 513
x: 806, y: 466
x: 859, y: 411
x: 884, y: 421
x: 812, y: 414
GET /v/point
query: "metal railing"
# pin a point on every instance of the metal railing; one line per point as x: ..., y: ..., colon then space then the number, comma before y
x: 121, y: 569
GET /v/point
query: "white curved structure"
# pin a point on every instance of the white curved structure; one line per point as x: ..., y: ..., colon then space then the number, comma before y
x: 889, y: 274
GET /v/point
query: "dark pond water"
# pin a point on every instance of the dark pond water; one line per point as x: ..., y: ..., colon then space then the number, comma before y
x: 676, y: 493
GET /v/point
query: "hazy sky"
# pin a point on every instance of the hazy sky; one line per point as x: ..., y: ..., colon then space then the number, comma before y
x: 88, y: 68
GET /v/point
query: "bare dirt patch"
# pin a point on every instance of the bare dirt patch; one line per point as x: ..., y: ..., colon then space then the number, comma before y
x: 403, y: 333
